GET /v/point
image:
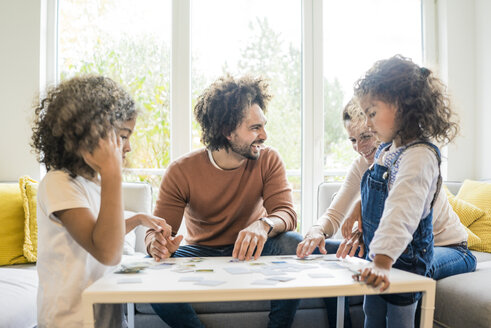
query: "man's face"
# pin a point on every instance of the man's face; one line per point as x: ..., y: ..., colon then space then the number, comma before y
x: 247, y: 139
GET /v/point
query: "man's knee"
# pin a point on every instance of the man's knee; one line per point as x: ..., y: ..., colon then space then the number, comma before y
x: 286, y: 243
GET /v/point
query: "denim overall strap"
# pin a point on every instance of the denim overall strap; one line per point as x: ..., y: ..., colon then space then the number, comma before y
x: 419, y: 253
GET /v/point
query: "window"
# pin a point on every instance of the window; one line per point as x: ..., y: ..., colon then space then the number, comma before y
x: 311, y: 51
x: 353, y: 41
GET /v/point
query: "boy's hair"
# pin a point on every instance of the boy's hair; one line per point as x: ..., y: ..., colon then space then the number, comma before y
x: 74, y: 116
x: 220, y: 109
x: 423, y: 106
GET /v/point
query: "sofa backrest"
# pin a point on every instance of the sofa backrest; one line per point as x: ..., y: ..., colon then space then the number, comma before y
x: 137, y: 197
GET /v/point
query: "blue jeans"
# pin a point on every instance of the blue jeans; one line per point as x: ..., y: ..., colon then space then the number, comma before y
x: 452, y: 260
x: 380, y: 314
x: 182, y: 315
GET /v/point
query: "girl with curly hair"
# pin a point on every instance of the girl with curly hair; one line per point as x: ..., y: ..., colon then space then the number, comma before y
x: 81, y: 134
x: 406, y: 108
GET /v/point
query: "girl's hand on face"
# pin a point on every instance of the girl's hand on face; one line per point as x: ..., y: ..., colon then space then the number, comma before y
x: 314, y: 238
x: 107, y: 156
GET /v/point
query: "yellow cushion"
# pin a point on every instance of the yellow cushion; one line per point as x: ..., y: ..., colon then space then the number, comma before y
x: 11, y: 225
x: 479, y: 194
x: 467, y: 212
x: 473, y: 241
x: 28, y: 189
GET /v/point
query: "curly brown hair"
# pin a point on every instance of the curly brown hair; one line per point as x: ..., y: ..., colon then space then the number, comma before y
x: 73, y: 117
x: 220, y: 109
x: 423, y: 106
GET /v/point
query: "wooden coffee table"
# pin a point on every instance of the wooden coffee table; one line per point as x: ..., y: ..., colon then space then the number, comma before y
x: 319, y: 277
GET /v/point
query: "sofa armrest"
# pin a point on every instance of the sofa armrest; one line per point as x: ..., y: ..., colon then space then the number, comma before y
x: 137, y: 197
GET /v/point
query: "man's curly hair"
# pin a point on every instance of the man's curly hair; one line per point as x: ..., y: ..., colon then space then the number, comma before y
x: 74, y: 116
x: 423, y: 106
x: 220, y: 109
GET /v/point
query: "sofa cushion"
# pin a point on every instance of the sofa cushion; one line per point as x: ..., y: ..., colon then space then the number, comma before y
x: 28, y: 190
x: 12, y: 225
x: 465, y: 300
x: 467, y: 212
x: 478, y: 193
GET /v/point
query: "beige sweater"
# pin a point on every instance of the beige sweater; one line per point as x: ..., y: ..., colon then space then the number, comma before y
x: 216, y: 203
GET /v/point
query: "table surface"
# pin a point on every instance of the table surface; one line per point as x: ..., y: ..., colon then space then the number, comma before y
x: 321, y: 276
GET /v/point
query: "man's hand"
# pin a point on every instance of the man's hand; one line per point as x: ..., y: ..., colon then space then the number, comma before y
x: 162, y: 247
x: 349, y: 245
x: 376, y: 273
x: 349, y: 222
x: 314, y: 238
x: 249, y: 240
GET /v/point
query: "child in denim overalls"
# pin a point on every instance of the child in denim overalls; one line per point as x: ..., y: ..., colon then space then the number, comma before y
x: 406, y: 107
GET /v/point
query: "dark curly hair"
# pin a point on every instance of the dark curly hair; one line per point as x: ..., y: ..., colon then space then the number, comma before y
x: 220, y: 109
x: 423, y: 106
x: 73, y: 117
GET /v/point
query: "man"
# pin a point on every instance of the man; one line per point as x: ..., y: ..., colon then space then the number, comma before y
x: 234, y: 193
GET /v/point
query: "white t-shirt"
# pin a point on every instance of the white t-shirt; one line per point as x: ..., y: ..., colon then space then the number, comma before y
x: 447, y: 228
x: 64, y: 267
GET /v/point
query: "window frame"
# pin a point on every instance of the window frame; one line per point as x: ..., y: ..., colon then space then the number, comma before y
x: 312, y: 172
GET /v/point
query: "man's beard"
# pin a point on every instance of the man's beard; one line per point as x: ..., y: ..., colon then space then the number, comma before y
x: 245, y: 150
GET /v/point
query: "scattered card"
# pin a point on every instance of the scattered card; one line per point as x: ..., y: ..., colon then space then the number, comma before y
x: 203, y: 270
x: 280, y: 278
x: 321, y: 275
x: 209, y: 282
x: 132, y: 280
x: 237, y: 270
x: 191, y: 278
x: 264, y: 282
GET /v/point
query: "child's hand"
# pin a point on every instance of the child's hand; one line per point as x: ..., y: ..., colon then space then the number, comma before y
x: 376, y: 274
x: 107, y: 156
x: 155, y: 223
x: 314, y: 238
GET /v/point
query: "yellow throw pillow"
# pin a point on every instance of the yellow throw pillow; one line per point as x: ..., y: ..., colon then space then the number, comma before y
x: 479, y: 194
x: 467, y: 212
x: 11, y: 225
x: 28, y: 190
x: 473, y: 241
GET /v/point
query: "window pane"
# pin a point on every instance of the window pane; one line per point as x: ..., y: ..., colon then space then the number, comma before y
x: 128, y: 41
x: 245, y: 36
x: 356, y: 34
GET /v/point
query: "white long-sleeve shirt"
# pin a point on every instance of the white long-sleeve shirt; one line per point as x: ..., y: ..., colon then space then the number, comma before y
x: 447, y: 228
x: 409, y: 201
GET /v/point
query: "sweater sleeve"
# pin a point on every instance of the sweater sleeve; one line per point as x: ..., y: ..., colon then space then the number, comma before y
x: 277, y: 192
x: 349, y: 192
x: 173, y: 197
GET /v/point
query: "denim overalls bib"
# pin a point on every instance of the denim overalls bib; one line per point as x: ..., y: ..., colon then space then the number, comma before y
x: 419, y: 253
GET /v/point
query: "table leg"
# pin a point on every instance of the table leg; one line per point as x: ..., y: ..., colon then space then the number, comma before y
x: 88, y: 311
x: 131, y: 315
x: 427, y: 308
x: 340, y: 312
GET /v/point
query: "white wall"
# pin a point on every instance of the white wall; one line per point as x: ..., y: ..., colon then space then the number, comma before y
x: 19, y: 83
x: 464, y: 50
x: 483, y: 89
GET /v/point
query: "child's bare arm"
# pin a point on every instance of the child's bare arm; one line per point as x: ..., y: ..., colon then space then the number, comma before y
x: 103, y: 237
